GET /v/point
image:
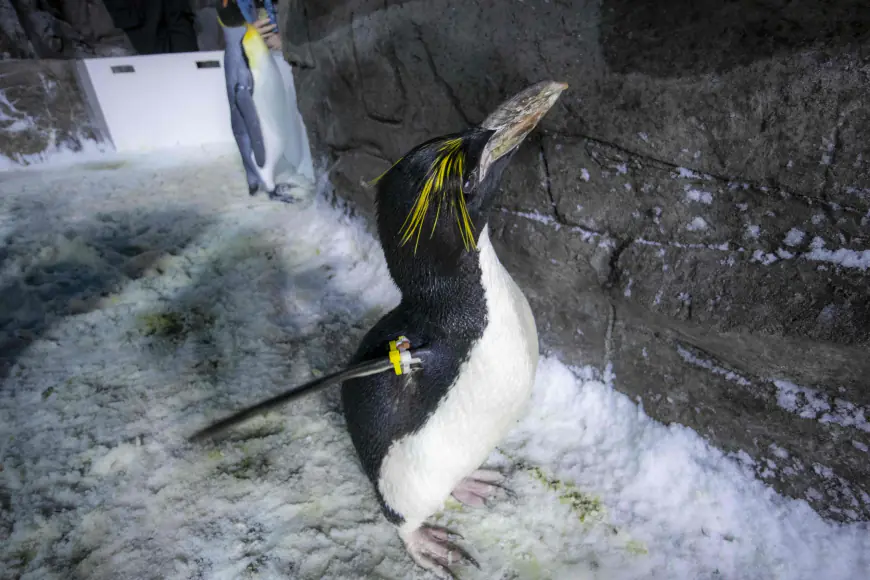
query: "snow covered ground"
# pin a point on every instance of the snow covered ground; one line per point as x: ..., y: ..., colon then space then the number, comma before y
x: 142, y: 298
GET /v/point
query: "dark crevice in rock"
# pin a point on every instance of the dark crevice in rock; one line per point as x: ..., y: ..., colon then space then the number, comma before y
x: 614, y: 273
x: 608, y: 336
x: 715, y: 147
x: 355, y: 53
x: 383, y: 120
x: 646, y: 157
x: 451, y: 95
x: 558, y: 222
x: 543, y: 59
x: 704, y: 359
x: 394, y: 62
x: 367, y: 147
x: 829, y: 207
x: 835, y: 149
x: 548, y: 183
x: 373, y: 115
x: 602, y: 233
x: 340, y: 71
x: 294, y: 19
x: 771, y: 188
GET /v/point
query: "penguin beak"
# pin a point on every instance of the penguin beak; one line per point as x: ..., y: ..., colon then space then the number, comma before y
x: 514, y: 119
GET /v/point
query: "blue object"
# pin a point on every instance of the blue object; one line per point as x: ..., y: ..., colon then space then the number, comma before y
x: 270, y: 10
x: 249, y: 10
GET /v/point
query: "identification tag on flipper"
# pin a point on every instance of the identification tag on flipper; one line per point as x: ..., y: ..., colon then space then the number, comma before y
x: 403, y: 361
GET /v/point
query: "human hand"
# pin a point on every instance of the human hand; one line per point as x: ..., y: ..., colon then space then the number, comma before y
x: 268, y: 31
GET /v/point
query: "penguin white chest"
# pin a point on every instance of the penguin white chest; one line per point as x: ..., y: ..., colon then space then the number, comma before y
x: 488, y: 397
x: 270, y: 100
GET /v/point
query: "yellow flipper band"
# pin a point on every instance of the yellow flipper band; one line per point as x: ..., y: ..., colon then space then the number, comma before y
x: 395, y: 358
x: 396, y: 354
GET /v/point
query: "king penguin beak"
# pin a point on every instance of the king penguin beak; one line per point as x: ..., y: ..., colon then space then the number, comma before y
x: 514, y: 119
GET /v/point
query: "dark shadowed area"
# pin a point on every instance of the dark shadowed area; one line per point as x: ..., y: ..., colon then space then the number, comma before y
x: 689, y: 37
x: 70, y: 268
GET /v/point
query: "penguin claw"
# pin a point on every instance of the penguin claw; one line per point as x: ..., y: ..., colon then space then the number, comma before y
x: 287, y: 193
x: 443, y: 533
x: 431, y: 548
x: 475, y: 489
x: 488, y: 475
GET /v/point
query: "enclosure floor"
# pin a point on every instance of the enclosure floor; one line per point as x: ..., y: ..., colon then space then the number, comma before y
x: 142, y: 299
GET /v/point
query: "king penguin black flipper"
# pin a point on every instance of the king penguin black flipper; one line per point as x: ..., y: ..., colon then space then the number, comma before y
x: 422, y: 437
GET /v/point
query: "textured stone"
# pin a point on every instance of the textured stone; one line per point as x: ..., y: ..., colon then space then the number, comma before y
x: 13, y: 39
x: 42, y: 109
x: 679, y: 212
x: 53, y: 30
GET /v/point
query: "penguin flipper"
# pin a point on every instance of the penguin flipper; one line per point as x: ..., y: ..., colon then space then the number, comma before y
x: 361, y: 369
x: 244, y: 99
x: 244, y: 145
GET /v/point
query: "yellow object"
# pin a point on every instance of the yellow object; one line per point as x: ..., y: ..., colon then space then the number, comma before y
x: 396, y: 348
x: 378, y: 178
x: 255, y: 47
x: 450, y: 162
x: 395, y: 358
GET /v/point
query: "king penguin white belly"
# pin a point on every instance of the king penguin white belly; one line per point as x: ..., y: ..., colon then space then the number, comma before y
x: 483, y: 404
x: 273, y: 107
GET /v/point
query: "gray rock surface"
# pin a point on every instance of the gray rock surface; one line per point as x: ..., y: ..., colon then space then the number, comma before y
x: 51, y: 29
x: 694, y: 212
x: 42, y: 109
x: 13, y: 39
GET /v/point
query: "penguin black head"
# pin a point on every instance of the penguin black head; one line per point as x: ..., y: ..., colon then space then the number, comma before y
x: 230, y: 15
x: 431, y: 204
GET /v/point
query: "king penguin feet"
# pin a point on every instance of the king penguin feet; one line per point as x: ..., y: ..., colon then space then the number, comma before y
x: 432, y: 548
x: 288, y: 193
x: 481, y: 485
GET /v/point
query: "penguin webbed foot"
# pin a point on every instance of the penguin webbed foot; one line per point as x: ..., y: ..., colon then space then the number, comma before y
x: 432, y: 548
x: 287, y: 193
x: 474, y: 490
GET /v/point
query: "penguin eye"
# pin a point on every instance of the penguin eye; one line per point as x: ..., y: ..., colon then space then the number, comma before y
x: 470, y: 182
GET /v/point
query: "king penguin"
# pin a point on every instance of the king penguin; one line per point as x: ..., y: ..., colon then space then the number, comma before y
x: 423, y: 436
x: 260, y: 112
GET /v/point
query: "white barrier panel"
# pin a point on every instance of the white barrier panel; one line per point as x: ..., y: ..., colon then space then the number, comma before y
x: 161, y: 101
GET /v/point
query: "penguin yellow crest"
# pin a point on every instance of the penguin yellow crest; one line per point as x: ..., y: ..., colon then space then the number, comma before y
x: 447, y: 169
x: 254, y: 46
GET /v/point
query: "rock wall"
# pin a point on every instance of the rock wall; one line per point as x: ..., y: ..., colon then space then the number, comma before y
x: 43, y: 110
x: 59, y: 29
x: 694, y: 212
